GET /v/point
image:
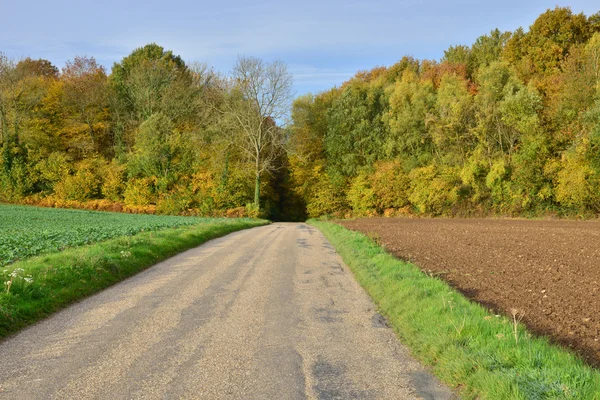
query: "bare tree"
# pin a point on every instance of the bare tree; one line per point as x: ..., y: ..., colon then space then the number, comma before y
x: 260, y: 97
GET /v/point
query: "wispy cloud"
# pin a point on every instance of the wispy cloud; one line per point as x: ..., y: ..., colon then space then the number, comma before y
x: 324, y: 42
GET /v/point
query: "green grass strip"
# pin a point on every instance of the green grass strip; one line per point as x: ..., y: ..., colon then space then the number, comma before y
x: 466, y: 346
x: 42, y: 285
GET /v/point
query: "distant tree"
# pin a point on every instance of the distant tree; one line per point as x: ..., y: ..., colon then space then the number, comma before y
x: 23, y: 86
x: 159, y: 151
x: 85, y: 96
x: 549, y: 40
x: 355, y: 130
x: 457, y: 55
x: 488, y: 48
x: 150, y: 80
x: 40, y: 67
x: 260, y: 97
x: 412, y: 102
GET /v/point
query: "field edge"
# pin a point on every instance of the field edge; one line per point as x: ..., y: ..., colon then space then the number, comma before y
x: 466, y: 347
x: 62, y: 278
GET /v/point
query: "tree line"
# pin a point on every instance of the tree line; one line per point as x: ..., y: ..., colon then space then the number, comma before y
x: 507, y: 126
x: 154, y: 135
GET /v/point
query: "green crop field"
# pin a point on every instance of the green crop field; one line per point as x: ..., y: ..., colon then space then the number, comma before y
x: 52, y: 257
x: 29, y: 231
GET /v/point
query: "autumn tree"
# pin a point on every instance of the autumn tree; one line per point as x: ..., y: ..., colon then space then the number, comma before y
x: 148, y: 81
x: 85, y: 96
x: 261, y: 94
x: 23, y: 86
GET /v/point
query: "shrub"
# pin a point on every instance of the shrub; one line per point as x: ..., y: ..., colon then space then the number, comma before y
x: 114, y: 181
x: 390, y: 184
x: 139, y: 192
x: 85, y: 184
x: 176, y: 201
x: 361, y: 196
x: 328, y: 199
x: 576, y: 185
x: 433, y: 191
x: 498, y: 182
x: 53, y: 169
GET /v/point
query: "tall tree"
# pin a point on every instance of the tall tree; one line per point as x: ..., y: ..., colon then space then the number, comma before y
x: 86, y: 99
x: 261, y: 96
x: 148, y: 81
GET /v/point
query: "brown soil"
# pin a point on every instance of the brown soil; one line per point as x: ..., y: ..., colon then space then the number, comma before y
x: 550, y: 270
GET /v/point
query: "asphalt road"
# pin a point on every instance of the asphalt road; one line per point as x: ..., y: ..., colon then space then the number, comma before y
x: 266, y: 313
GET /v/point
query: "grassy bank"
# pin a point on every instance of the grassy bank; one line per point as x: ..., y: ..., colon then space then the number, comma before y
x: 36, y: 287
x: 484, y: 355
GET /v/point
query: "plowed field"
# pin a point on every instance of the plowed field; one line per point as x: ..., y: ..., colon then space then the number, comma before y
x: 550, y: 270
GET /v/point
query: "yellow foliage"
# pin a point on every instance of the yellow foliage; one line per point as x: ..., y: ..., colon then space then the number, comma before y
x: 114, y: 181
x: 85, y: 184
x: 139, y: 192
x: 390, y: 185
x: 433, y: 191
x: 576, y: 185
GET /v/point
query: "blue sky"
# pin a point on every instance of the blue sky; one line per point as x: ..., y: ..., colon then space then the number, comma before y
x: 323, y: 42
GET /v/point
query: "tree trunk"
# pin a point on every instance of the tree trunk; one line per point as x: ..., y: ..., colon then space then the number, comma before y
x: 257, y: 190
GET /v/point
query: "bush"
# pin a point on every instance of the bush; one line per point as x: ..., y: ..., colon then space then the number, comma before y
x: 390, y: 184
x: 53, y: 169
x: 433, y: 191
x: 114, y: 181
x: 176, y: 201
x: 16, y: 182
x: 498, y: 182
x: 576, y: 185
x: 328, y: 198
x: 85, y: 184
x: 139, y: 192
x: 361, y: 196
x: 252, y: 211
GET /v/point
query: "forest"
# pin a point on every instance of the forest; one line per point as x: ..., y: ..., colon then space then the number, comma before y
x: 509, y: 125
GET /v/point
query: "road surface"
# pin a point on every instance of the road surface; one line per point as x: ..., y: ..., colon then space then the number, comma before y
x: 266, y: 313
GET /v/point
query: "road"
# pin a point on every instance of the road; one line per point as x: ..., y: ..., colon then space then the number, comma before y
x: 266, y: 313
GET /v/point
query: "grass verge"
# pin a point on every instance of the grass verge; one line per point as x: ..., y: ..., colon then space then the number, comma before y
x: 37, y: 287
x: 484, y: 355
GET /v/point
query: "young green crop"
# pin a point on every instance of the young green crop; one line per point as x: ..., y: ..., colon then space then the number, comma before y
x: 29, y: 231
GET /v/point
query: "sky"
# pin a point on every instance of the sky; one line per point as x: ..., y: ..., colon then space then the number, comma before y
x: 323, y: 43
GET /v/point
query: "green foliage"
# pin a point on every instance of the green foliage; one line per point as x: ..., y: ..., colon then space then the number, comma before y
x: 498, y: 182
x: 150, y: 80
x: 390, y: 185
x: 113, y: 184
x: 355, y: 131
x: 140, y: 192
x: 84, y: 184
x: 491, y: 128
x: 578, y: 186
x: 159, y: 152
x: 488, y: 130
x: 433, y: 190
x: 328, y: 197
x: 411, y: 103
x: 53, y: 169
x: 488, y: 48
x: 361, y: 196
x: 138, y: 136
